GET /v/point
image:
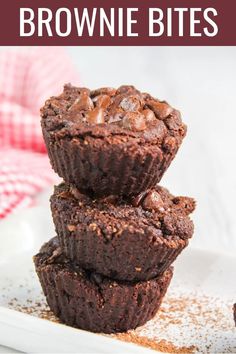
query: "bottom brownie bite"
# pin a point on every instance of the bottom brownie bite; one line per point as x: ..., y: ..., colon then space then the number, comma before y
x: 89, y: 301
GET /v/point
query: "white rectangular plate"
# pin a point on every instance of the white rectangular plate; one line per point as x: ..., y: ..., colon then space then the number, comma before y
x: 196, y: 315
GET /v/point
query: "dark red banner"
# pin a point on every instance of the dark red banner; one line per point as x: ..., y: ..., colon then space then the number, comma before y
x: 118, y: 22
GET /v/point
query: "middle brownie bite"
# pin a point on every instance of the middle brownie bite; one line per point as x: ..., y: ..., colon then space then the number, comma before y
x: 125, y: 240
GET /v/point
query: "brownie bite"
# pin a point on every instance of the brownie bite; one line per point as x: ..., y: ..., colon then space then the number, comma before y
x: 110, y: 141
x: 90, y: 301
x: 125, y: 240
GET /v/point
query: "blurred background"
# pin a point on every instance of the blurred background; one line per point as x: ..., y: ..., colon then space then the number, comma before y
x: 199, y: 81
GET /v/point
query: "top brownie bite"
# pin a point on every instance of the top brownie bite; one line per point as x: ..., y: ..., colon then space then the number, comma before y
x: 110, y: 141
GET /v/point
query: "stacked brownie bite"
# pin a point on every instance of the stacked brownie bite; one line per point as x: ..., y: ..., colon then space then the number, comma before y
x: 118, y: 231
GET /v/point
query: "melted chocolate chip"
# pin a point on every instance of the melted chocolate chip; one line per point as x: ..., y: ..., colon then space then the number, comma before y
x: 161, y: 109
x: 134, y: 121
x: 136, y: 201
x: 130, y: 103
x: 146, y: 96
x: 82, y: 103
x: 102, y: 101
x: 149, y: 115
x: 75, y: 192
x: 126, y: 89
x: 110, y: 91
x: 153, y: 201
x: 64, y: 194
x: 56, y: 254
x: 174, y: 122
x: 117, y: 117
x: 96, y: 116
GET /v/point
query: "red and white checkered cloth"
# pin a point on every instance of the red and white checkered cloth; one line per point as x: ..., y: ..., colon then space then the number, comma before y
x: 27, y: 78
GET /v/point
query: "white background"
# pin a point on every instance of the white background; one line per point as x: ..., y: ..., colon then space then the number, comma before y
x: 201, y: 82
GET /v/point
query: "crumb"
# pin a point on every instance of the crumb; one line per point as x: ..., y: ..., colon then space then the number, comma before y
x: 208, y: 320
x: 162, y: 346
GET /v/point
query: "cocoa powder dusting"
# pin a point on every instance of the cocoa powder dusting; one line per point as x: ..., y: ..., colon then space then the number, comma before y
x: 37, y: 308
x: 186, y: 323
x: 162, y: 346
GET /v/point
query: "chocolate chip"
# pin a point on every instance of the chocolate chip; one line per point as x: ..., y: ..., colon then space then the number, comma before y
x: 149, y: 115
x: 102, y: 101
x: 126, y: 89
x: 130, y: 103
x: 146, y: 96
x: 153, y: 201
x: 116, y: 117
x: 75, y: 192
x: 114, y: 107
x: 83, y: 102
x: 96, y: 116
x: 55, y: 255
x: 134, y: 121
x: 161, y: 109
x: 136, y: 201
x: 110, y: 91
x: 174, y: 122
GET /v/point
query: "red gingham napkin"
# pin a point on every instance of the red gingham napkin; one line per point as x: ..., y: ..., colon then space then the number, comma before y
x: 27, y: 78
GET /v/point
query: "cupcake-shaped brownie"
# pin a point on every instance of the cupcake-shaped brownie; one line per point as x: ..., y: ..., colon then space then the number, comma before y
x: 125, y: 240
x: 89, y: 301
x: 110, y: 141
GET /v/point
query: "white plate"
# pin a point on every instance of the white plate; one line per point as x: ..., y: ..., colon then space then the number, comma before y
x: 196, y: 314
